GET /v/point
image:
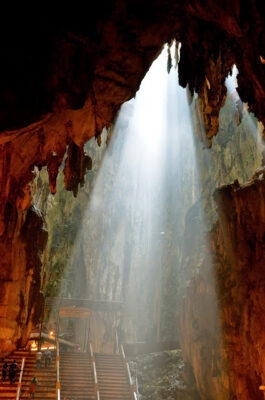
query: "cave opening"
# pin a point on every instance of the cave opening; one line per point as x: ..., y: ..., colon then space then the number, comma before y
x: 137, y: 233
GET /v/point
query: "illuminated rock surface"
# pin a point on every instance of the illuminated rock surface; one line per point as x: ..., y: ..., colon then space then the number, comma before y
x: 236, y: 311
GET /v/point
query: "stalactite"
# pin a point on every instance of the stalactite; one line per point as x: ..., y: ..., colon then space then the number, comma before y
x: 53, y: 169
x: 177, y: 44
x: 75, y: 168
x: 169, y: 60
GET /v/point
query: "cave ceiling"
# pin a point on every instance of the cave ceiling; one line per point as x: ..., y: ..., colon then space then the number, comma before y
x: 65, y: 77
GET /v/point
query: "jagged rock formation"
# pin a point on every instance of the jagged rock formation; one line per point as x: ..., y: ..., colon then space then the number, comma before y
x: 102, y: 62
x: 229, y: 293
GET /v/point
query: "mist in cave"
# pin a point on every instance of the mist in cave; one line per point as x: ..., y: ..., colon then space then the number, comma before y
x: 131, y: 235
x: 148, y: 207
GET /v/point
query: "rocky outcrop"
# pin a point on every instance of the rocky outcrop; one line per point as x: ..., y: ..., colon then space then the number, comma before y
x: 226, y: 299
x: 20, y: 277
x: 76, y: 75
x: 201, y: 337
x: 238, y: 243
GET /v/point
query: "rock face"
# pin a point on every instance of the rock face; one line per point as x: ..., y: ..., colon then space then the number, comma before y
x: 238, y: 243
x: 201, y: 318
x: 21, y: 300
x: 201, y: 336
x: 226, y: 299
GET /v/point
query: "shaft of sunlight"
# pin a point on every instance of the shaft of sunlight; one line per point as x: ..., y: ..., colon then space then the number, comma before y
x: 132, y: 233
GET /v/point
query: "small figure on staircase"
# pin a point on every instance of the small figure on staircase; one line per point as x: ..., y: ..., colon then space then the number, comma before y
x: 77, y: 347
x: 33, y: 386
x: 12, y: 372
x: 47, y: 357
x: 38, y: 359
x: 4, y: 371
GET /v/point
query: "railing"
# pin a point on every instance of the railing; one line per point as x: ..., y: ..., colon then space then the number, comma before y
x: 20, y: 378
x: 58, y: 386
x: 136, y: 384
x: 92, y: 359
x: 116, y: 342
x: 134, y: 396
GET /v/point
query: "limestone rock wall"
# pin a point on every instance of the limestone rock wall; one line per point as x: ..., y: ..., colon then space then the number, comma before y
x: 229, y: 292
x: 21, y: 300
x: 233, y: 155
x: 239, y: 246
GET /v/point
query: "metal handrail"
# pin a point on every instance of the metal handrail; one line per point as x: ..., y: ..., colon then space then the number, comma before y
x: 96, y: 380
x: 116, y: 342
x: 91, y: 351
x: 20, y: 378
x: 134, y: 396
x: 136, y: 383
x: 122, y: 352
x: 94, y: 371
x: 58, y: 386
x: 129, y: 374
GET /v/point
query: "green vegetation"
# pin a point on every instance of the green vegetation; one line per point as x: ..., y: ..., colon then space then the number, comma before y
x: 162, y: 376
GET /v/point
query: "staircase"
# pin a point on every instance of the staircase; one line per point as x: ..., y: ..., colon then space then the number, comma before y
x: 45, y: 376
x: 76, y: 376
x: 7, y: 391
x: 112, y: 377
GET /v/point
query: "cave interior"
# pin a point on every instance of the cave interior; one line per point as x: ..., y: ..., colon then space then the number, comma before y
x: 65, y: 79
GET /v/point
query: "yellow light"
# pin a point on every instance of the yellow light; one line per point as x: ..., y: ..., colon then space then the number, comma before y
x: 34, y: 345
x: 51, y: 333
x: 46, y: 348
